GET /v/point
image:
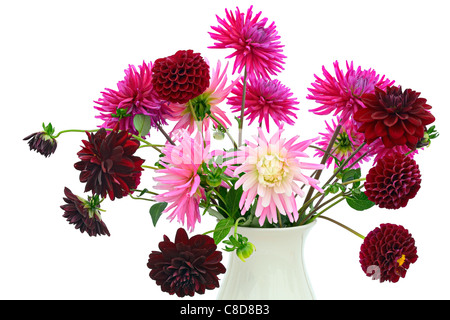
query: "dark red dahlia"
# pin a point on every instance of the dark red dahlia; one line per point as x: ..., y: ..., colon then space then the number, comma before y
x: 84, y: 214
x: 398, y: 117
x: 186, y: 266
x: 393, y: 181
x: 43, y: 142
x: 180, y: 77
x: 387, y: 253
x: 108, y: 164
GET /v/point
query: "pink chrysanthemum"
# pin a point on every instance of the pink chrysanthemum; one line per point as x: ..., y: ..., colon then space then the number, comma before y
x: 272, y: 170
x: 181, y: 179
x: 346, y: 143
x: 256, y: 46
x: 135, y: 95
x: 342, y: 94
x: 205, y: 103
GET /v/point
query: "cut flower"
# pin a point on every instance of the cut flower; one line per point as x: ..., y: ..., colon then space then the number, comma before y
x: 272, y: 171
x: 108, y: 164
x: 187, y: 265
x: 387, y: 252
x: 265, y: 99
x: 255, y: 46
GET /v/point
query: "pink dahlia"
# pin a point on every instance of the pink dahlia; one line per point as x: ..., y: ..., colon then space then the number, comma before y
x: 265, y: 99
x: 346, y: 143
x: 181, y: 180
x: 271, y: 173
x: 206, y: 104
x: 255, y: 46
x: 135, y: 95
x: 342, y: 94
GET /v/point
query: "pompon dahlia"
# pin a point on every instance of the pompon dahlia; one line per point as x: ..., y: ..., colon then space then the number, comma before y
x: 187, y: 265
x: 346, y: 143
x: 387, y: 252
x: 180, y: 77
x: 398, y: 117
x: 255, y: 46
x: 342, y: 94
x: 181, y: 180
x: 135, y: 95
x: 108, y: 164
x: 393, y: 181
x: 84, y: 214
x: 272, y: 170
x: 206, y: 104
x: 265, y: 99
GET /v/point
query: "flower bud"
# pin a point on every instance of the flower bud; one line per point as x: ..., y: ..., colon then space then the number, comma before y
x: 245, y: 251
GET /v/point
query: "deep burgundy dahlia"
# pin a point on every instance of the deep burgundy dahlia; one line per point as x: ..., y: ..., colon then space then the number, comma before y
x: 398, y: 117
x: 393, y: 181
x: 108, y: 165
x: 180, y: 77
x: 42, y: 143
x: 84, y: 214
x: 387, y: 252
x: 186, y: 266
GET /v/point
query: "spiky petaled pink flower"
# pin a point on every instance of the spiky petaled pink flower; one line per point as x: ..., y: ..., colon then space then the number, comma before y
x: 347, y: 141
x: 379, y: 150
x: 135, y: 95
x: 208, y: 101
x: 272, y: 171
x: 342, y: 94
x: 255, y: 46
x: 181, y: 180
x: 265, y: 99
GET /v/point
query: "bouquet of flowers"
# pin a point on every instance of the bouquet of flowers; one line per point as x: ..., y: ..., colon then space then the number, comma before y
x: 262, y: 181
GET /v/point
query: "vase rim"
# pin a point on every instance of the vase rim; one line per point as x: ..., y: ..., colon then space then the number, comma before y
x: 260, y: 229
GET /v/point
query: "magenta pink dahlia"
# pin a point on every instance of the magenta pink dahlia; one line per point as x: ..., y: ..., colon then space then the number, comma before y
x: 393, y: 181
x: 387, y: 253
x: 180, y: 178
x: 135, y: 95
x: 255, y: 46
x: 265, y: 99
x: 342, y: 94
x: 272, y: 174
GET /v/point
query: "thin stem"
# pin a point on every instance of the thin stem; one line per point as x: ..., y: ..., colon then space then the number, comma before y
x: 353, y: 181
x: 324, y: 159
x: 241, y: 121
x: 343, y: 226
x: 226, y: 131
x: 74, y: 130
x: 150, y: 167
x: 165, y: 134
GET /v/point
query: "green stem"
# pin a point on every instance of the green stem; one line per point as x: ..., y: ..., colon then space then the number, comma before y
x: 74, y: 130
x: 343, y: 226
x: 226, y: 131
x: 353, y: 181
x: 150, y: 167
x: 244, y: 92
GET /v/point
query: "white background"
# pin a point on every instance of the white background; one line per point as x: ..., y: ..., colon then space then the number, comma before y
x: 57, y: 56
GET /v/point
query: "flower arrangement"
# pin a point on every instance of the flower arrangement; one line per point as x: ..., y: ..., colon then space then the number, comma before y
x: 261, y: 182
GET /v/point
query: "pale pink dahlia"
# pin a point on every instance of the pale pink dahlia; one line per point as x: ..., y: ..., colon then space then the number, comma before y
x: 342, y: 94
x: 206, y: 104
x: 135, y: 95
x: 181, y: 180
x: 255, y: 46
x: 347, y: 141
x: 272, y: 174
x: 265, y: 99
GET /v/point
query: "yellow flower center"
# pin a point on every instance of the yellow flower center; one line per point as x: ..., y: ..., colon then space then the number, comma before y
x: 401, y: 260
x: 272, y: 169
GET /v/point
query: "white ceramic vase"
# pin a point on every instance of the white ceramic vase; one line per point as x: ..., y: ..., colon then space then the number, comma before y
x: 275, y: 271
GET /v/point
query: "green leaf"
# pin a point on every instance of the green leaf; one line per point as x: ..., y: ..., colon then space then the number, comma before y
x: 359, y: 201
x: 156, y: 211
x: 142, y: 124
x: 232, y: 198
x: 222, y: 229
x: 351, y: 174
